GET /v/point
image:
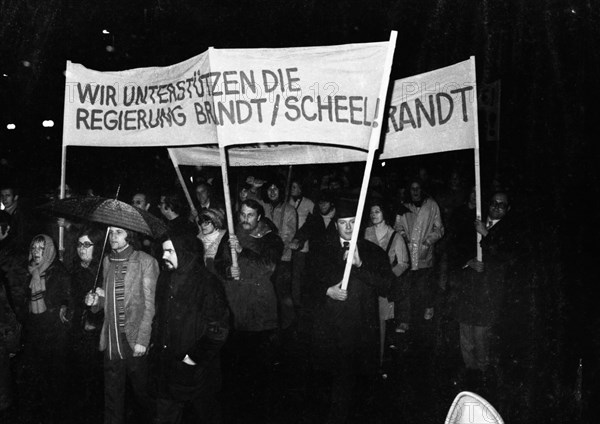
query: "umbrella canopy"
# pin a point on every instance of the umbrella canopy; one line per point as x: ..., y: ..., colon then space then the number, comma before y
x: 108, y: 211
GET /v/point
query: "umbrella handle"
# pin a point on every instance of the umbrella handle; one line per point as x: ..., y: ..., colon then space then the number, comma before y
x: 103, y: 249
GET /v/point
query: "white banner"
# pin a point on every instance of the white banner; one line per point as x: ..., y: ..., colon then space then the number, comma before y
x: 432, y: 112
x: 241, y: 96
x: 267, y: 155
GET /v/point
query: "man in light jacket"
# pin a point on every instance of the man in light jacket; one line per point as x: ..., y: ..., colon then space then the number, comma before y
x: 127, y: 297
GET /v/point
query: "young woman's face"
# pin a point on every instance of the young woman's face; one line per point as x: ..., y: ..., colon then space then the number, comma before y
x: 207, y: 227
x: 85, y: 249
x: 37, y: 252
x: 376, y: 215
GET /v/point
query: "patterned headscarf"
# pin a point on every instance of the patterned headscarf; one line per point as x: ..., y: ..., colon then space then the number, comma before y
x: 38, y: 276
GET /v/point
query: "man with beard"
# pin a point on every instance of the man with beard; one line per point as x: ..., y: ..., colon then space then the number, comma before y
x: 127, y: 297
x: 191, y: 325
x: 252, y: 300
x: 346, y: 329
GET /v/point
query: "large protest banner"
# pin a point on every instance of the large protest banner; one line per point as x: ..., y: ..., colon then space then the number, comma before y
x: 309, y: 94
x: 428, y: 113
x: 332, y: 95
x: 432, y: 112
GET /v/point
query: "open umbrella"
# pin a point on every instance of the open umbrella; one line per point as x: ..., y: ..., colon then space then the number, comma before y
x: 107, y: 211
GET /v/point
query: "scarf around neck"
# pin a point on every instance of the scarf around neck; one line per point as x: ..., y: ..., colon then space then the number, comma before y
x: 37, y: 284
x: 211, y: 243
x: 121, y: 256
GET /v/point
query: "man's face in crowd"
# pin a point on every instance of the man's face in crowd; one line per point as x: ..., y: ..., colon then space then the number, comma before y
x: 140, y: 201
x: 117, y: 239
x: 415, y: 192
x: 345, y: 226
x: 7, y: 197
x: 202, y: 194
x: 498, y: 206
x: 296, y: 190
x: 162, y: 207
x: 169, y: 255
x: 249, y: 218
x: 324, y: 207
x: 273, y: 192
x: 473, y: 197
x: 37, y: 252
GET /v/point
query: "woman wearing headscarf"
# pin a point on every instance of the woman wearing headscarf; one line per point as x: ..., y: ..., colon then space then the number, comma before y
x: 46, y: 327
x: 383, y: 235
x: 86, y: 326
x: 214, y: 241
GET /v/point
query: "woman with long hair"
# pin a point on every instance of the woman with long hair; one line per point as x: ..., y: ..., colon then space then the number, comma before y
x: 85, y: 330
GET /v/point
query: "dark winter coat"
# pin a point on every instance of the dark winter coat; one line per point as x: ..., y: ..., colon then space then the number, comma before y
x: 252, y: 298
x: 58, y: 288
x: 82, y: 282
x: 191, y: 319
x: 479, y: 295
x: 347, y: 332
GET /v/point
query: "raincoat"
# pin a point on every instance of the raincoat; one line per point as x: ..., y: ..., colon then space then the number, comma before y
x: 418, y: 226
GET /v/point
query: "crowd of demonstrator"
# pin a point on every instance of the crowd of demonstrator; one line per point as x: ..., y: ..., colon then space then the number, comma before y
x: 202, y: 317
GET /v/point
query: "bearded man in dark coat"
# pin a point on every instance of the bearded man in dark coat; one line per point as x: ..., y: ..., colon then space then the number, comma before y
x: 346, y: 333
x: 190, y: 327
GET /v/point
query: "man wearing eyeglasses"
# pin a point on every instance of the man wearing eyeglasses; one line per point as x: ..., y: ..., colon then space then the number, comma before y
x: 480, y: 286
x: 498, y: 209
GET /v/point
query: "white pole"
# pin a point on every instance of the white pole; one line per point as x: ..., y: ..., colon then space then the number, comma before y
x: 373, y: 144
x: 226, y: 192
x: 182, y: 182
x: 228, y: 208
x: 63, y: 171
x: 477, y: 166
x: 63, y: 178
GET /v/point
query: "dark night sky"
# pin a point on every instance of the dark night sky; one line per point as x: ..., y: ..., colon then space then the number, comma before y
x: 543, y: 51
x: 546, y: 54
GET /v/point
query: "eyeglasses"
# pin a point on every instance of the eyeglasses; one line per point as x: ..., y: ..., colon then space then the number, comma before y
x: 206, y: 222
x: 85, y: 245
x: 499, y: 205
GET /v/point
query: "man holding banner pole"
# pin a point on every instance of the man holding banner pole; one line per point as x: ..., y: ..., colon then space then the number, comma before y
x: 346, y: 339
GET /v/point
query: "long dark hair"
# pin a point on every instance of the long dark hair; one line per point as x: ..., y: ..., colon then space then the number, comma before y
x: 97, y: 237
x: 385, y: 210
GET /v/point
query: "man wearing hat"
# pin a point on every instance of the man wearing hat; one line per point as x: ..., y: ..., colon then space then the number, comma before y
x: 346, y: 321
